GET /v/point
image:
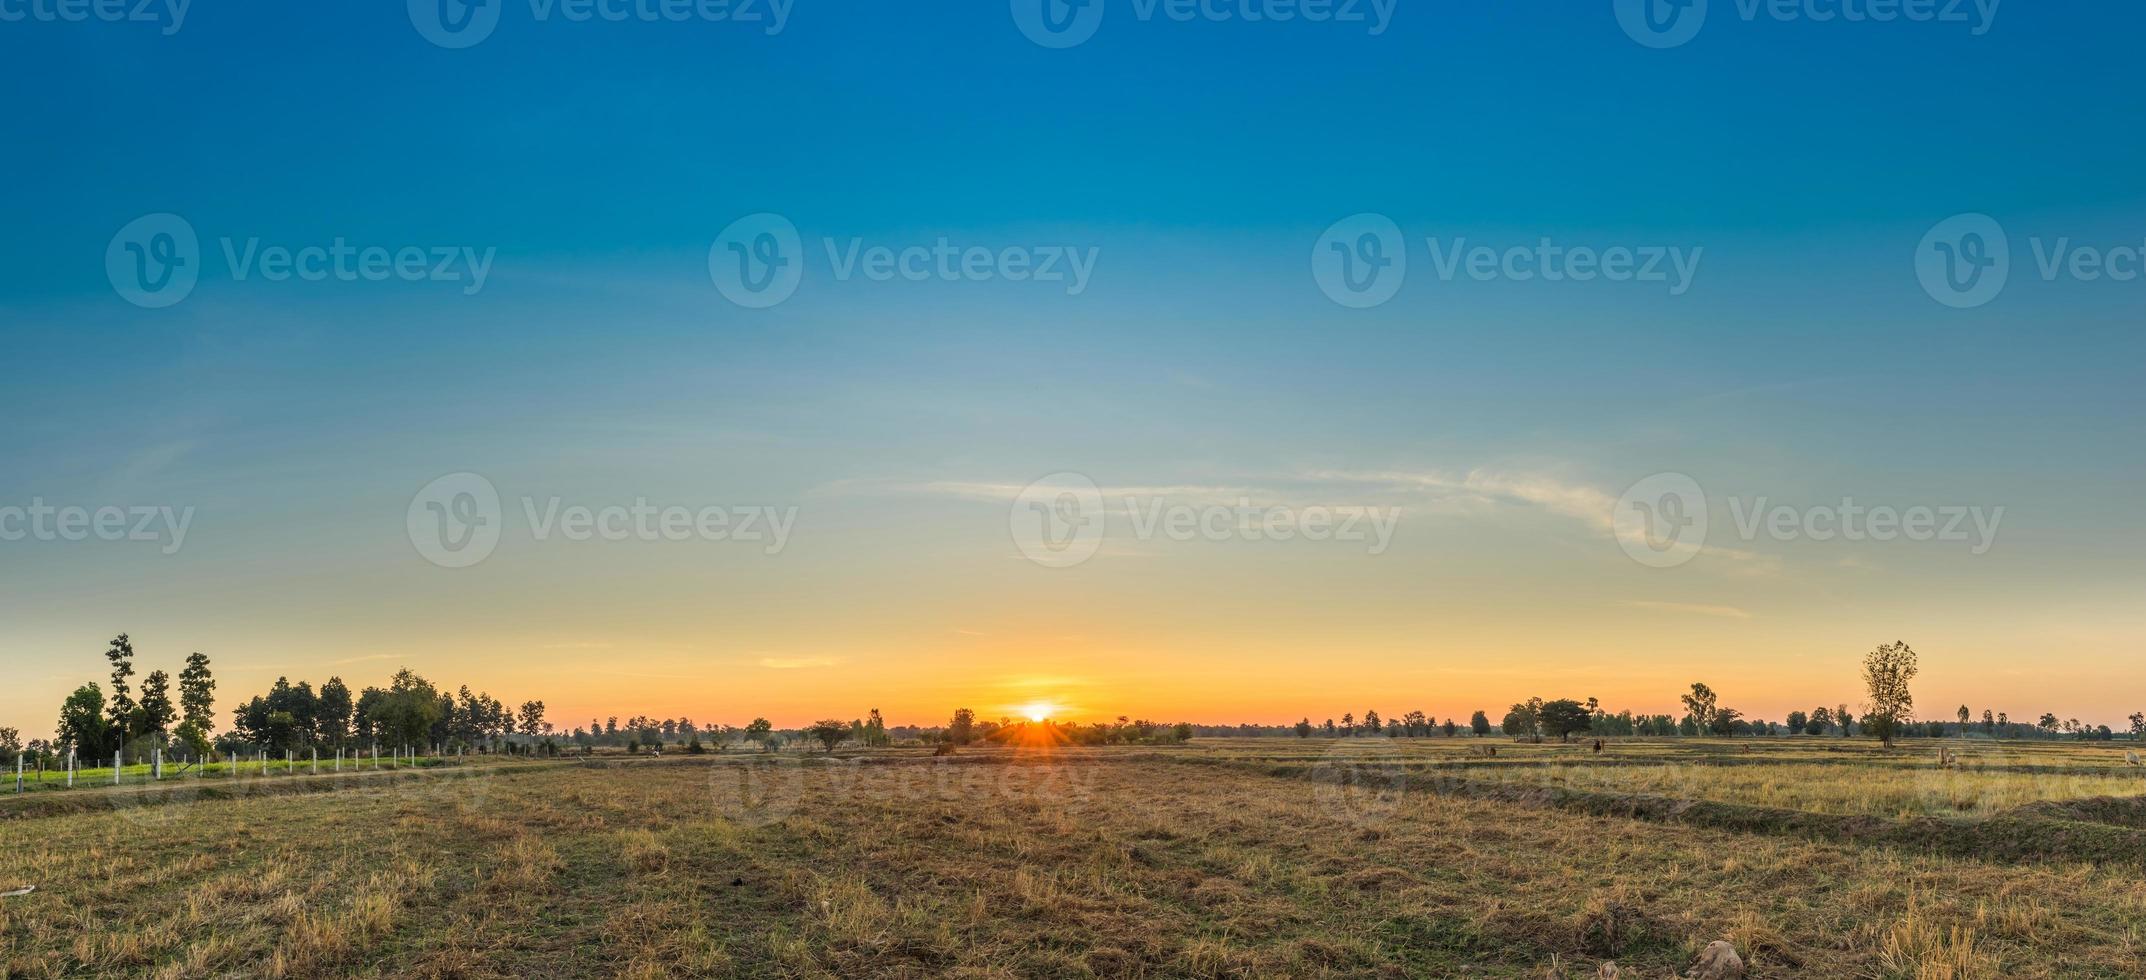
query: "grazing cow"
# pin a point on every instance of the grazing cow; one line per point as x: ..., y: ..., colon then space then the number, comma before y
x: 2131, y: 759
x: 1598, y: 746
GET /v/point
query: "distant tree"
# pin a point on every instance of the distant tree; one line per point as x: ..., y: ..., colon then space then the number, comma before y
x: 197, y: 692
x: 334, y: 710
x: 156, y: 712
x: 1846, y: 721
x: 1989, y: 722
x: 1524, y: 720
x: 1699, y: 704
x: 2048, y: 723
x: 1479, y: 723
x: 82, y: 725
x: 1886, y: 673
x: 1371, y: 722
x: 1182, y: 731
x: 693, y: 746
x: 611, y: 726
x: 1798, y: 721
x: 406, y: 714
x: 1725, y: 721
x: 758, y: 731
x: 1304, y: 728
x: 1965, y: 717
x: 830, y: 731
x: 1451, y: 729
x: 1348, y: 723
x: 1563, y: 718
x: 1821, y: 720
x: 961, y: 729
x: 533, y: 719
x: 875, y: 730
x: 121, y: 656
x: 2138, y: 724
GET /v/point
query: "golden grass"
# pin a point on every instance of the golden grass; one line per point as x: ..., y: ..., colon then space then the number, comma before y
x: 1001, y: 864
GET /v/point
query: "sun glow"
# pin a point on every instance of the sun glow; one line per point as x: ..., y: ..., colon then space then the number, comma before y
x: 1039, y: 711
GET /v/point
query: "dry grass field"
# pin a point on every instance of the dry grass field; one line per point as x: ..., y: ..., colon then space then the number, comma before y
x: 1220, y: 859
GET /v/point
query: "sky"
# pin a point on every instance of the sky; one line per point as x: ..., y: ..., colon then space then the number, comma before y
x: 689, y: 256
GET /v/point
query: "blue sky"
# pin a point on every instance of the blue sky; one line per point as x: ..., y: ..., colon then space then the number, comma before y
x: 1200, y: 160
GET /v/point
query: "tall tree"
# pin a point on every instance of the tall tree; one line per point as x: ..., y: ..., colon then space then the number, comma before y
x: 121, y: 655
x: 1479, y: 723
x: 1886, y: 673
x: 1700, y: 705
x: 334, y: 710
x: 962, y: 728
x: 156, y: 711
x: 532, y: 718
x: 197, y: 693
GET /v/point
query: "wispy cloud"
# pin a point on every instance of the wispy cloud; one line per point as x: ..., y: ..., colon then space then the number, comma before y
x: 369, y: 658
x: 1457, y: 492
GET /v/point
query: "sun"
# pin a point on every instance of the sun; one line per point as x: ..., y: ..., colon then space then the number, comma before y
x: 1039, y: 711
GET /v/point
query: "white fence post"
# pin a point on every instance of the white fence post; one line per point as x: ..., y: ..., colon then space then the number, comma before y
x: 70, y: 767
x: 117, y: 756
